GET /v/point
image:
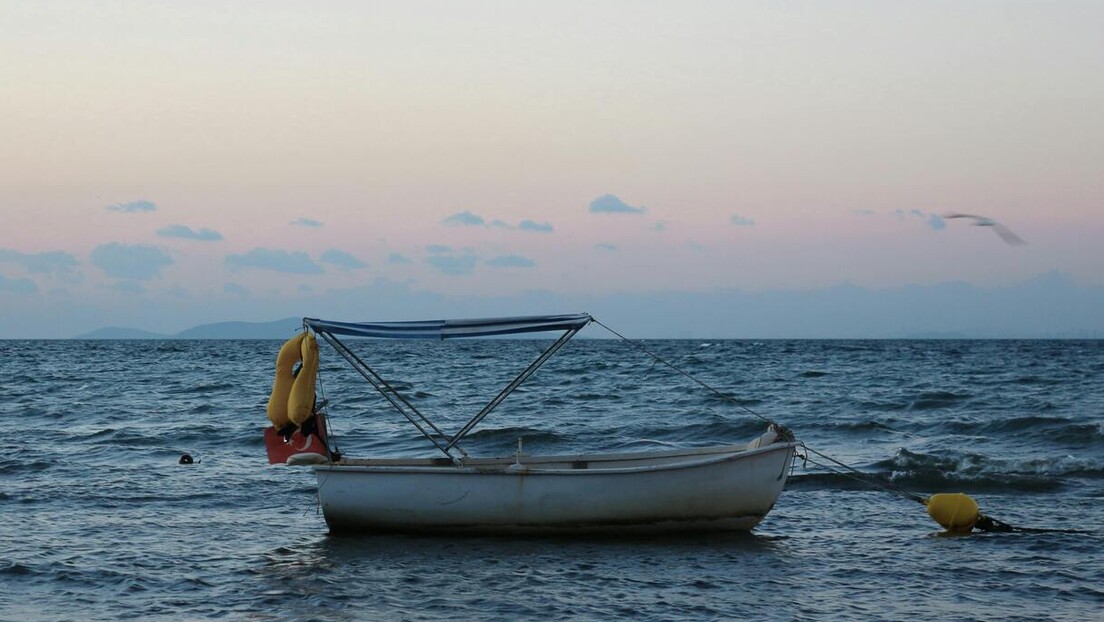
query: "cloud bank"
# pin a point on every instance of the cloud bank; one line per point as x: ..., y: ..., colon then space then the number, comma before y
x: 341, y: 259
x: 610, y: 204
x: 464, y: 219
x: 137, y: 261
x: 511, y: 261
x: 288, y: 262
x: 52, y: 263
x: 133, y: 207
x: 17, y: 286
x: 450, y: 262
x: 934, y: 222
x: 187, y: 233
x: 128, y: 287
x: 535, y: 227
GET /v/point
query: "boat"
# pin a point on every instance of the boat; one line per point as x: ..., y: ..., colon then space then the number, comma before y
x: 724, y: 487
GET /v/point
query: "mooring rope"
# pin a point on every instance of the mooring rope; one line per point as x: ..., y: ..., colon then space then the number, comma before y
x: 716, y: 392
x: 848, y: 470
x: 857, y: 475
x: 983, y: 523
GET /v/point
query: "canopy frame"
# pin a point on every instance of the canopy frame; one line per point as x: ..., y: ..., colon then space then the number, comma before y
x: 447, y: 329
x: 514, y: 384
x: 392, y: 395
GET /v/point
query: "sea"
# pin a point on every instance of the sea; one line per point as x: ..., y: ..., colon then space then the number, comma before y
x: 101, y: 521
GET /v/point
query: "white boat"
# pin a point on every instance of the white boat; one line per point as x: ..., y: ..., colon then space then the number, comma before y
x: 728, y: 487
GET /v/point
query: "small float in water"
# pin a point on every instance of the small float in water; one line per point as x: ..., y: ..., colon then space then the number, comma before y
x: 726, y: 487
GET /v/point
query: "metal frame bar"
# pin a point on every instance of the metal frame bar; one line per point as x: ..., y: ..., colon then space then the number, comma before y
x: 392, y: 395
x: 522, y: 377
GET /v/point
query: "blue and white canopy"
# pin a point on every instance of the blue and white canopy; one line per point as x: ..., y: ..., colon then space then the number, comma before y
x: 451, y: 329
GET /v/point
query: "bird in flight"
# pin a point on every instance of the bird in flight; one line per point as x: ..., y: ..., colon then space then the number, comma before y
x: 984, y: 221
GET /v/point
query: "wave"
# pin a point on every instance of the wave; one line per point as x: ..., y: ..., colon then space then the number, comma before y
x: 201, y: 388
x: 937, y: 399
x: 12, y: 467
x: 511, y: 434
x: 855, y: 427
x: 723, y: 431
x: 1028, y: 428
x: 594, y: 397
x: 15, y: 569
x: 914, y: 471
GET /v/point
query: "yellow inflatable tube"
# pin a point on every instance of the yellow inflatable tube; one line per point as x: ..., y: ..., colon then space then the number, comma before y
x: 290, y: 354
x: 300, y: 404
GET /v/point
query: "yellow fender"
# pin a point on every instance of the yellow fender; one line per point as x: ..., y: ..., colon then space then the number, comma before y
x: 300, y: 404
x: 290, y: 354
x: 955, y: 512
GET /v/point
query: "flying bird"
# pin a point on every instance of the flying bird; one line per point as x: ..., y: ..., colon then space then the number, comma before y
x: 984, y: 221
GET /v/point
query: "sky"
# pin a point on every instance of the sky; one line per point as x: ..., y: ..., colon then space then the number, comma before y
x: 167, y: 164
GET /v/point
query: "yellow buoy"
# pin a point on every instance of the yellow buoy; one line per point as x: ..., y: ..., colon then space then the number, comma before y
x: 289, y: 355
x: 955, y: 512
x: 300, y: 405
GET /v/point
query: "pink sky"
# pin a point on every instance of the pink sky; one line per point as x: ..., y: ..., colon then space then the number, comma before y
x: 772, y: 146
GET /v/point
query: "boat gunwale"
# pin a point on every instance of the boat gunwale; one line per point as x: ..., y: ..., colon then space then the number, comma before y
x: 523, y: 465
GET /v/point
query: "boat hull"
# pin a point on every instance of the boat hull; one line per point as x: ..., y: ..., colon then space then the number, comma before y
x: 719, y: 488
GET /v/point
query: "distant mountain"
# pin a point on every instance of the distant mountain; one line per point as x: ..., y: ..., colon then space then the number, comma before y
x: 116, y: 332
x: 278, y: 329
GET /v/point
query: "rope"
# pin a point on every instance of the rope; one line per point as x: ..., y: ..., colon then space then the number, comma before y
x: 716, y: 392
x: 849, y: 471
x: 859, y: 476
x: 324, y: 406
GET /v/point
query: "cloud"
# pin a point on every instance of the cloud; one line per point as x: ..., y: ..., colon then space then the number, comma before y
x: 511, y: 261
x: 933, y: 221
x: 52, y: 263
x: 290, y: 262
x: 451, y: 262
x: 186, y: 233
x: 740, y: 221
x: 610, y: 204
x: 605, y: 246
x: 396, y: 259
x: 128, y: 287
x: 342, y: 259
x: 464, y: 219
x: 133, y: 206
x: 136, y: 261
x: 531, y: 226
x: 235, y: 288
x: 306, y: 222
x: 536, y: 227
x: 17, y: 286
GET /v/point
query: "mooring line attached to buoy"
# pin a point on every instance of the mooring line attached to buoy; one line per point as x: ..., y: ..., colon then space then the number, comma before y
x: 955, y: 512
x: 858, y: 475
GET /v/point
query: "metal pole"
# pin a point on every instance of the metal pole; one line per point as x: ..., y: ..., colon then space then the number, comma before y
x: 390, y: 393
x: 522, y: 377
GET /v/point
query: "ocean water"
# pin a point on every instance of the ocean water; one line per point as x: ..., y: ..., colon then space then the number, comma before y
x: 100, y: 522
